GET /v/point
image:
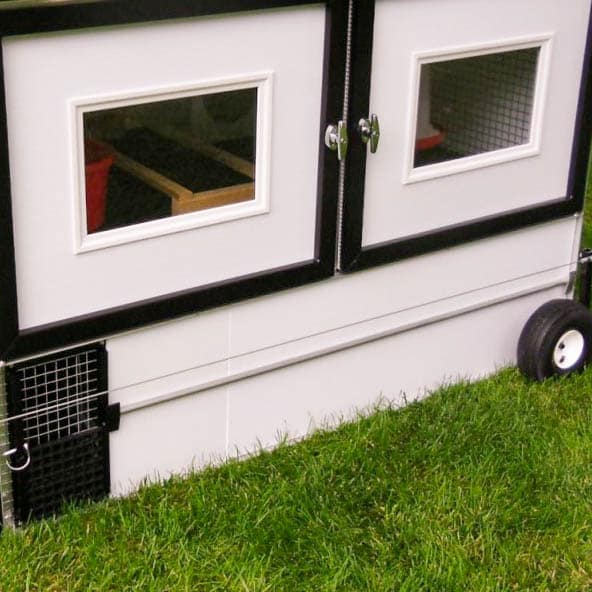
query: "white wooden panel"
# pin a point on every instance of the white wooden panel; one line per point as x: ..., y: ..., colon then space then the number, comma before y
x: 168, y: 348
x: 201, y: 377
x: 212, y: 425
x: 198, y: 352
x: 292, y: 401
x: 346, y: 300
x: 44, y: 73
x: 409, y: 319
x: 405, y: 27
x: 155, y: 442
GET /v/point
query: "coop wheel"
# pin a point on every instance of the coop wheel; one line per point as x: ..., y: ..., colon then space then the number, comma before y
x: 556, y: 340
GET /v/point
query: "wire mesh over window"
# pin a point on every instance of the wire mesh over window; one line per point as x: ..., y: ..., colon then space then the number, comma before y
x: 59, y: 397
x: 475, y: 105
x: 58, y: 404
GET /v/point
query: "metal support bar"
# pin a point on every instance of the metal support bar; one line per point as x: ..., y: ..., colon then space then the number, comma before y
x: 585, y: 264
x: 6, y: 498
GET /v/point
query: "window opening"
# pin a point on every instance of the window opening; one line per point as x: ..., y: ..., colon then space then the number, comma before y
x: 475, y: 105
x: 163, y: 158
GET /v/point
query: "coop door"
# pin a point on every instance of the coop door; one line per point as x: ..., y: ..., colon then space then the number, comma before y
x: 159, y: 159
x: 475, y: 104
x: 59, y: 424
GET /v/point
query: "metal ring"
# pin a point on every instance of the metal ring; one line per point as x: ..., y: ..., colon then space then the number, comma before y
x: 12, y: 451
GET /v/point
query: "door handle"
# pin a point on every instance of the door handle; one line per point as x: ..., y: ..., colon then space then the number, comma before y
x: 336, y: 139
x: 370, y: 131
x: 7, y: 457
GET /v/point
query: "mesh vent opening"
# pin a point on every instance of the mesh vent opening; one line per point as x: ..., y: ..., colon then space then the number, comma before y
x: 59, y: 403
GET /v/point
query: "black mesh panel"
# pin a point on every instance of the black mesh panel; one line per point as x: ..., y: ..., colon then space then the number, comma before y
x: 59, y: 404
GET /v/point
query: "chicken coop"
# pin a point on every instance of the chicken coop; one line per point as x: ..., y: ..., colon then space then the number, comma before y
x: 225, y: 223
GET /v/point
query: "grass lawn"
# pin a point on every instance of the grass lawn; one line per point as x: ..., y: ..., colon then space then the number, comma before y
x: 480, y: 487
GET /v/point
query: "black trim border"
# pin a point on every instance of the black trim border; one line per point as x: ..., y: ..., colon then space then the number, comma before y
x: 16, y: 342
x: 354, y: 257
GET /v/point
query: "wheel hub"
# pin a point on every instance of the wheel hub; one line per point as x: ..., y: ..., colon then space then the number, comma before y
x: 569, y: 349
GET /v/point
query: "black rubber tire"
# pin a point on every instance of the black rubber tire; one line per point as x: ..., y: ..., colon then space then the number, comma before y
x: 542, y: 333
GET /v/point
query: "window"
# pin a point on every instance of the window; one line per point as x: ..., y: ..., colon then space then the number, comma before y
x: 163, y: 158
x: 475, y: 105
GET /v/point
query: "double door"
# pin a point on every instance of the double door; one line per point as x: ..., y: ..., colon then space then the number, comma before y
x: 165, y: 160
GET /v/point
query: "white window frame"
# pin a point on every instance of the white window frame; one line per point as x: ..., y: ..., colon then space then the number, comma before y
x: 84, y: 242
x: 412, y: 174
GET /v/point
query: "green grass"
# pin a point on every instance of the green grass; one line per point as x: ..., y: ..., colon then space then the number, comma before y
x: 480, y: 487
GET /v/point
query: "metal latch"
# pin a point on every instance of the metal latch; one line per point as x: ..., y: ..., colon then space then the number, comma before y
x: 336, y: 139
x: 15, y: 451
x: 370, y: 131
x: 112, y: 417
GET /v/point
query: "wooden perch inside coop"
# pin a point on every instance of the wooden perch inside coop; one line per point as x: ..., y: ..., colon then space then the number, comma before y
x: 183, y: 200
x: 186, y: 139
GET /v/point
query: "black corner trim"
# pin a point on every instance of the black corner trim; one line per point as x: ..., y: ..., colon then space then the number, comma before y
x: 46, y: 18
x: 576, y: 186
x: 460, y: 234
